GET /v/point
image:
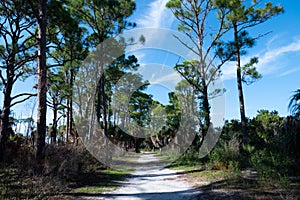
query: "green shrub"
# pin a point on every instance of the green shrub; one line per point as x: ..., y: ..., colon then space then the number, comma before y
x: 190, y: 158
x: 269, y: 164
x: 226, y: 156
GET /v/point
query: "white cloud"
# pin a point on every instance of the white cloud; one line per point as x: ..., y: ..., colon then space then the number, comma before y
x: 291, y: 71
x: 274, y: 54
x: 159, y: 74
x: 270, y: 60
x: 229, y: 71
x: 156, y: 16
x: 171, y: 78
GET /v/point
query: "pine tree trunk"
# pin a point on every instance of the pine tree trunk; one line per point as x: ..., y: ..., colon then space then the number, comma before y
x: 240, y: 85
x: 101, y: 107
x: 5, y: 115
x: 71, y: 105
x: 101, y: 104
x: 206, y: 107
x: 54, y: 124
x: 42, y: 83
x: 68, y: 108
x: 206, y: 110
x: 68, y: 121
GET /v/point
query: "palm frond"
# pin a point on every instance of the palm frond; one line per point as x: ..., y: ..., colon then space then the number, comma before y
x: 294, y: 104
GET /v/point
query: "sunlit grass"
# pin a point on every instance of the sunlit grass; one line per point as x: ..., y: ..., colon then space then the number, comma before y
x: 95, y: 189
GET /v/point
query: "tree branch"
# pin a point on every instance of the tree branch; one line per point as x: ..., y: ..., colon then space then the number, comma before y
x: 22, y: 100
x: 187, y: 46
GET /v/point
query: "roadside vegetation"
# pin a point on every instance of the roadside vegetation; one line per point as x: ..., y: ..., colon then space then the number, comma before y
x: 69, y: 172
x: 266, y: 168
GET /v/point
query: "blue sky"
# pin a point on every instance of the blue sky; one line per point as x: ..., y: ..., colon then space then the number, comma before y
x: 278, y: 54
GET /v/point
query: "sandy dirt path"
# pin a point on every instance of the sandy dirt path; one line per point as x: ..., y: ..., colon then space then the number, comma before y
x: 155, y: 182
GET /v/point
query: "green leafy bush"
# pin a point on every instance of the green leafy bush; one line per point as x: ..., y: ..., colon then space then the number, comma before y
x: 226, y: 156
x: 270, y: 164
x: 190, y: 158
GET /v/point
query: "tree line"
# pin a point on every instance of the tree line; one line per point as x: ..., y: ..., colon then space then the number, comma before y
x: 50, y: 39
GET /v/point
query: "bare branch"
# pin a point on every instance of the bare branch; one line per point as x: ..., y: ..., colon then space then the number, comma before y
x: 186, y: 45
x: 219, y: 67
x: 23, y: 94
x: 22, y: 100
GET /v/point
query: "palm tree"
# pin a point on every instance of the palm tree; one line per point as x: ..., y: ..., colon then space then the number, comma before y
x: 294, y: 105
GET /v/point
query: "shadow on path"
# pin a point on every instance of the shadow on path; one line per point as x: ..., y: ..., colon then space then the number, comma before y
x: 152, y: 182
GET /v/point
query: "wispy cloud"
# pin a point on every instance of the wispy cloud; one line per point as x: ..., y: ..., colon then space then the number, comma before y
x: 270, y: 60
x: 158, y: 74
x: 228, y: 71
x: 172, y: 78
x: 156, y: 16
x: 276, y: 54
x: 291, y: 71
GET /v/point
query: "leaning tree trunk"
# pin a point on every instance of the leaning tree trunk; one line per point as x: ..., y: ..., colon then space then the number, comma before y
x: 42, y: 83
x: 240, y: 85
